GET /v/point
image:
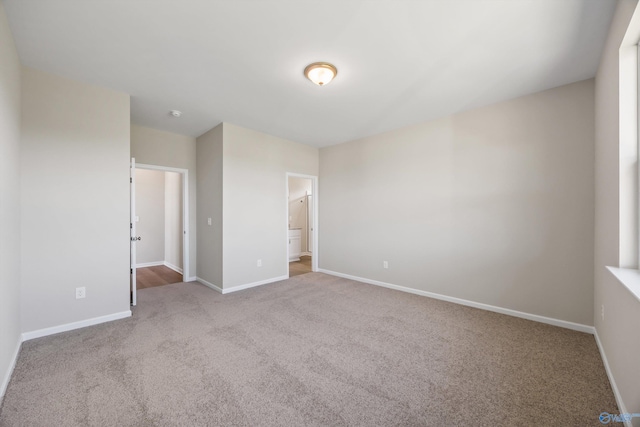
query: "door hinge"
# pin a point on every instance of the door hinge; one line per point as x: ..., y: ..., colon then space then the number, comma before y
x: 130, y: 180
x: 131, y: 271
x: 130, y: 225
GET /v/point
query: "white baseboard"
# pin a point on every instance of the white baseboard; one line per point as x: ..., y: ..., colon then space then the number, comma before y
x: 173, y: 267
x: 240, y: 287
x: 612, y: 381
x: 7, y: 376
x: 536, y: 318
x: 26, y: 336
x: 254, y: 284
x: 306, y: 253
x: 209, y: 284
x: 294, y: 259
x: 149, y: 264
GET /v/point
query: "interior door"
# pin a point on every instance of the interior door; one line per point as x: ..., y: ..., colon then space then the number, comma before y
x: 132, y: 227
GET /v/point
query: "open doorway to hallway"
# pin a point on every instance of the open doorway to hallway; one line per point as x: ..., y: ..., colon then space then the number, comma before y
x: 159, y: 225
x: 300, y: 222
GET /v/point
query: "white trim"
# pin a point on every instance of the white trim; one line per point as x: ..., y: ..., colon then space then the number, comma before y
x: 173, y: 267
x: 149, y: 264
x: 254, y: 284
x: 208, y: 284
x: 616, y: 393
x: 26, y: 336
x: 185, y: 209
x: 190, y: 279
x: 160, y: 168
x: 305, y: 253
x: 629, y: 278
x: 9, y: 373
x: 157, y: 263
x: 536, y: 318
x: 133, y: 245
x: 240, y: 287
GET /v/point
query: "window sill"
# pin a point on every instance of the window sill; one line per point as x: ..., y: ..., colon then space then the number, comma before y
x: 629, y: 278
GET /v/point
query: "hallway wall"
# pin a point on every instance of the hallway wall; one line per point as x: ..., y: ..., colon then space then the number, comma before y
x: 150, y: 210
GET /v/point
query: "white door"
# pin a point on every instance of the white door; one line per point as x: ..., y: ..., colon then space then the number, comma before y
x: 132, y: 226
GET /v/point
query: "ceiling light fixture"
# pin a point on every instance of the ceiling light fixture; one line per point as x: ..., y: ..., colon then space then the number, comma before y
x: 321, y: 73
x: 175, y: 113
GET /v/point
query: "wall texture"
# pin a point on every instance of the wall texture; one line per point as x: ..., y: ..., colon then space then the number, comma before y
x: 159, y: 148
x: 10, y: 84
x: 209, y: 149
x: 255, y: 202
x: 618, y: 332
x: 494, y: 205
x: 150, y: 209
x: 74, y: 201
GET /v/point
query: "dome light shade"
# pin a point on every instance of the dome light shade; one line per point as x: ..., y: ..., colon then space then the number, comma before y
x: 321, y: 73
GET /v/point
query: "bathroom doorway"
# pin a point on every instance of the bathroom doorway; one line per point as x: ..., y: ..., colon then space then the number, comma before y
x: 301, y: 224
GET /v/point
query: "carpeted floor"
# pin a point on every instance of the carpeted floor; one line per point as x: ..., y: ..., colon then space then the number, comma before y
x: 314, y: 350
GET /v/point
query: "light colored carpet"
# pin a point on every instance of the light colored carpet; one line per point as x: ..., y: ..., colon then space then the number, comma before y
x: 309, y: 351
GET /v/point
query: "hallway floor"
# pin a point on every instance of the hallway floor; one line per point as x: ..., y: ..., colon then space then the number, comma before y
x: 303, y: 266
x: 149, y: 277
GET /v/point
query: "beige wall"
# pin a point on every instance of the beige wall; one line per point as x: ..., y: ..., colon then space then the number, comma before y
x: 173, y: 219
x: 255, y: 202
x: 74, y: 201
x: 242, y: 188
x: 150, y: 209
x: 9, y: 200
x: 618, y: 332
x: 209, y: 149
x: 159, y: 148
x: 493, y: 205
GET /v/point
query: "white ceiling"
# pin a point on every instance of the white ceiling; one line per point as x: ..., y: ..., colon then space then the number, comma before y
x: 399, y: 62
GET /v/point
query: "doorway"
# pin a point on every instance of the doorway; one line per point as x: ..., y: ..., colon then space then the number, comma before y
x: 301, y: 224
x: 160, y: 223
